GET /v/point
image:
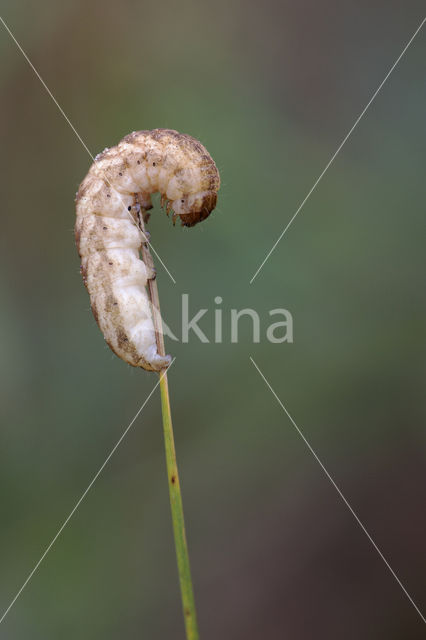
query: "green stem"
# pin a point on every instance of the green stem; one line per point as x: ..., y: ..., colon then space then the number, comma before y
x: 184, y: 570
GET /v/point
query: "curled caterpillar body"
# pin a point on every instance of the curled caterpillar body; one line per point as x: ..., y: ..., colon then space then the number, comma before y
x: 108, y: 236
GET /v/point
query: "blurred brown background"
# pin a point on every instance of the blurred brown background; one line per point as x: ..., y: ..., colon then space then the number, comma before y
x: 271, y: 89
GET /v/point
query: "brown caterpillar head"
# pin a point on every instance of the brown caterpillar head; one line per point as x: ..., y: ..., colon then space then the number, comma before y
x: 194, y: 208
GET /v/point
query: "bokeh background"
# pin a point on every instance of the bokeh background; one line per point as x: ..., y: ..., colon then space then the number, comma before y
x: 271, y: 89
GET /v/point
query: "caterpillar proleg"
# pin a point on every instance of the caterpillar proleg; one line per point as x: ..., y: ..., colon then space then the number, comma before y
x: 112, y: 197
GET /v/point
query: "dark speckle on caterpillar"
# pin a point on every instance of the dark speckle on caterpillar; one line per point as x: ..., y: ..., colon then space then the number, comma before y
x: 108, y: 237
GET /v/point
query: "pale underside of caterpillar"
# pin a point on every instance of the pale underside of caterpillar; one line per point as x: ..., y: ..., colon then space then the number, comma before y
x: 110, y: 202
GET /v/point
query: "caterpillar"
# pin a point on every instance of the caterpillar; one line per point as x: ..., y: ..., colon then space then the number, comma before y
x: 110, y: 201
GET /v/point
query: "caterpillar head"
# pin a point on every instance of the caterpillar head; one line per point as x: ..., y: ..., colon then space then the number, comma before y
x: 194, y: 208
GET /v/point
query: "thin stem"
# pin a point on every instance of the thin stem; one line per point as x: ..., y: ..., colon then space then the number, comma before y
x: 184, y: 570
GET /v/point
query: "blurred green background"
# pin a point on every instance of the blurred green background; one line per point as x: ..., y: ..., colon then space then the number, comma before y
x: 271, y: 89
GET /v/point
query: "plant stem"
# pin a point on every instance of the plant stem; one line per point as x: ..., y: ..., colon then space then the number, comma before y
x: 184, y: 570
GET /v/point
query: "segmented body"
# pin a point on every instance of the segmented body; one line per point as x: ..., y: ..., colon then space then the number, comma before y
x: 108, y: 236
